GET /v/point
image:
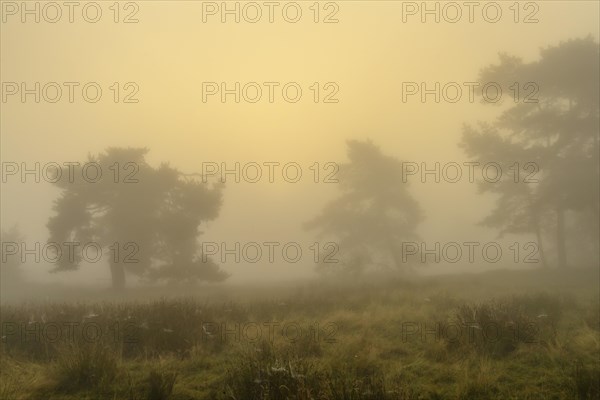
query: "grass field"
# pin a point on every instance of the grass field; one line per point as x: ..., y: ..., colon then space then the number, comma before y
x: 498, y: 335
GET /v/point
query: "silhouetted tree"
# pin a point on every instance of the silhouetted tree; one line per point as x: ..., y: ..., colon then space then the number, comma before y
x: 10, y: 261
x: 147, y: 219
x: 374, y: 212
x: 555, y: 124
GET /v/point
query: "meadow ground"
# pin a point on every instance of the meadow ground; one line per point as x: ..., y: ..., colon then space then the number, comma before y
x: 499, y: 335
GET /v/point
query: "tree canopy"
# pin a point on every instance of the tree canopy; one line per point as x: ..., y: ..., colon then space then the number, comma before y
x: 374, y: 212
x: 147, y: 219
x: 556, y: 134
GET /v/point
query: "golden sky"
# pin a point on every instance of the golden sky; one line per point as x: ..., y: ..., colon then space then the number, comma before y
x: 170, y: 52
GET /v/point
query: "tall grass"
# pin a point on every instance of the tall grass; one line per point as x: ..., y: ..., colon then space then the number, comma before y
x: 538, y: 345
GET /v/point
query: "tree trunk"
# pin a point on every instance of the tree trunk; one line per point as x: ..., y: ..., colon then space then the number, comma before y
x: 538, y: 235
x: 393, y: 252
x: 561, y: 246
x: 117, y: 273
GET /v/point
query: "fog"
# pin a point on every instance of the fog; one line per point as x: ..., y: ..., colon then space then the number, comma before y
x: 367, y: 57
x: 333, y: 200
